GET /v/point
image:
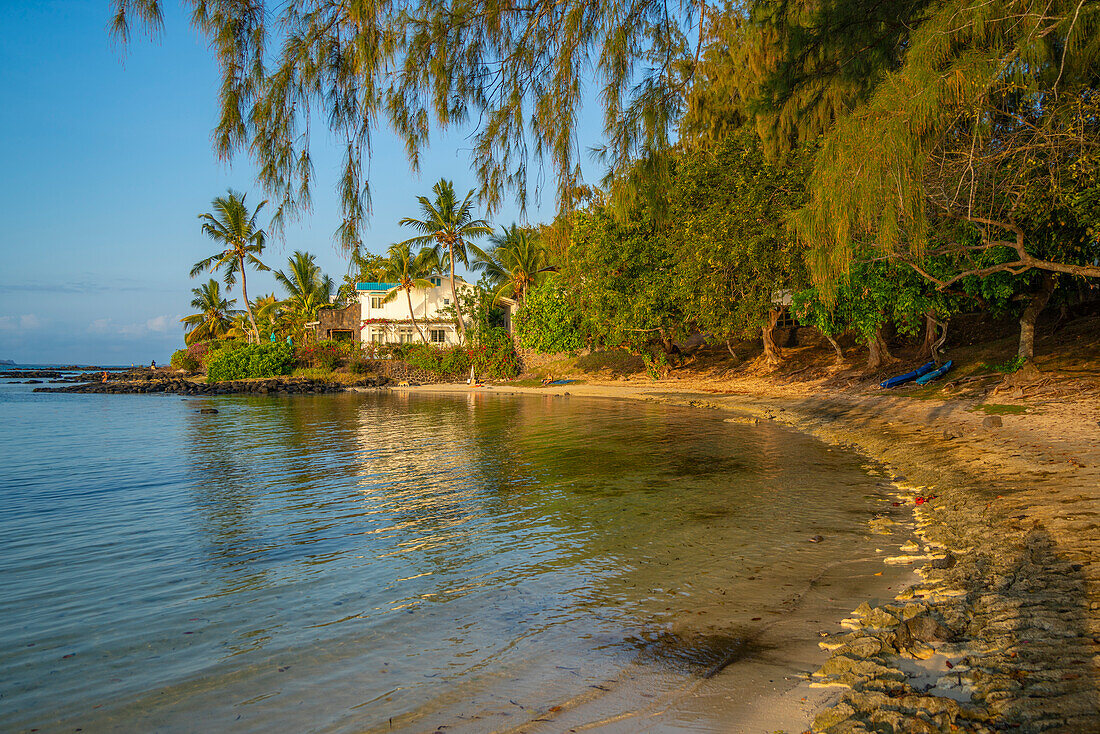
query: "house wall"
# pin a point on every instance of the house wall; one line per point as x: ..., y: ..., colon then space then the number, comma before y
x: 343, y: 319
x: 427, y: 304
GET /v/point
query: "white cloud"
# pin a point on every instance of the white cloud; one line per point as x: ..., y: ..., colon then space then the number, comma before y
x: 23, y: 322
x: 158, y: 324
x: 100, y: 326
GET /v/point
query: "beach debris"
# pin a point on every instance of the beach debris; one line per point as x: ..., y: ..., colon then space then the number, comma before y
x: 919, y: 500
x: 817, y: 539
x: 208, y: 411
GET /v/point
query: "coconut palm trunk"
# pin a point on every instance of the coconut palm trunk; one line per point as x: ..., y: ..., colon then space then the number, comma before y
x: 408, y: 296
x: 247, y: 303
x: 454, y: 293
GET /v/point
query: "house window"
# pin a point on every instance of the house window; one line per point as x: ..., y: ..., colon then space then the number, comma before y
x: 786, y: 321
x: 446, y: 301
x: 377, y: 336
x: 437, y: 281
x: 376, y: 301
x: 406, y: 337
x: 438, y: 336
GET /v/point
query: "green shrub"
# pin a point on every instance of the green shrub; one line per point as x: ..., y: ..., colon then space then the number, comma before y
x: 495, y: 356
x: 546, y: 322
x: 182, y: 359
x: 447, y: 361
x: 253, y: 360
x: 360, y: 366
x: 1006, y: 367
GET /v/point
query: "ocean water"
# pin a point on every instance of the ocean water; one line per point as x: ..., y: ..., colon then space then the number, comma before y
x: 390, y: 561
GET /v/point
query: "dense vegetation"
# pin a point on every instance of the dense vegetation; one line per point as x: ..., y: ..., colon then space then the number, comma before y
x: 250, y: 360
x: 876, y: 168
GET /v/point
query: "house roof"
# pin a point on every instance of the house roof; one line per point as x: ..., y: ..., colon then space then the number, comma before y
x: 382, y: 287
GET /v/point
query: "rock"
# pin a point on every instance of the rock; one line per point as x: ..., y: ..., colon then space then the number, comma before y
x: 915, y: 633
x: 992, y: 421
x: 830, y: 717
x: 881, y: 619
x: 839, y: 665
x: 209, y: 411
x: 861, y: 647
x: 817, y: 538
x: 952, y: 433
x: 947, y: 561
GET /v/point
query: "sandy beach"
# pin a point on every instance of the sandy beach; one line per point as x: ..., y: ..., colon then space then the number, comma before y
x: 986, y: 619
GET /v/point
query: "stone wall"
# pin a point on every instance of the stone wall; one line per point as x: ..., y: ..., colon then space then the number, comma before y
x: 398, y: 371
x: 339, y: 319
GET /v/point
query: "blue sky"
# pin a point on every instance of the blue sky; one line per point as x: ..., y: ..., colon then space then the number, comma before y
x: 107, y: 163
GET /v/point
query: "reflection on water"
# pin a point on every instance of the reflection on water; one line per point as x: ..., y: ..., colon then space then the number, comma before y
x: 398, y: 561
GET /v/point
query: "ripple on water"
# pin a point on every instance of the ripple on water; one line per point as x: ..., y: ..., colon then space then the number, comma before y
x: 340, y: 562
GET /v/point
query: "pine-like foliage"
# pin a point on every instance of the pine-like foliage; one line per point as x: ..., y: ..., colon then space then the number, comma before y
x: 991, y: 110
x: 517, y: 72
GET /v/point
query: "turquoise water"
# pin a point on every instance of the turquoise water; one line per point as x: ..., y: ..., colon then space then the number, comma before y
x: 388, y: 561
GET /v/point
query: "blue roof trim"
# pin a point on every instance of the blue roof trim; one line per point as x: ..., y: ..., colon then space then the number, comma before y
x: 374, y: 286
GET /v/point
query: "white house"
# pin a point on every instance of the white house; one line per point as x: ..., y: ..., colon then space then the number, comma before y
x: 388, y: 322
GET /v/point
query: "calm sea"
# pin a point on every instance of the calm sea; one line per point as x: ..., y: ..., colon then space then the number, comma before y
x: 388, y: 561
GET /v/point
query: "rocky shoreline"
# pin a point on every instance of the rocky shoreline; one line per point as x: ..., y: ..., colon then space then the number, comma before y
x: 1002, y: 631
x: 182, y: 386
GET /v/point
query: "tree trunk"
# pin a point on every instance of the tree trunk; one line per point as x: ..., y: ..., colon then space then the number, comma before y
x: 929, y: 335
x: 836, y: 348
x: 878, y: 353
x: 454, y: 294
x: 733, y: 354
x: 773, y: 356
x: 408, y: 296
x: 247, y: 305
x: 1038, y: 302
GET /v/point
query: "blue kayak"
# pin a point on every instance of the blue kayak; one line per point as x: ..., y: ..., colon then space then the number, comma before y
x: 938, y: 372
x: 902, y: 379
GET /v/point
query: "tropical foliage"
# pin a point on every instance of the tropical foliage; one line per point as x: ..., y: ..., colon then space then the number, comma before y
x: 447, y: 226
x: 250, y: 361
x: 409, y: 272
x: 885, y: 164
x: 547, y: 323
x: 308, y: 290
x: 515, y: 261
x: 234, y: 228
x: 215, y: 314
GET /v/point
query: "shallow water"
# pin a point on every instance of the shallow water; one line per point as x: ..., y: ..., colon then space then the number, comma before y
x: 390, y: 561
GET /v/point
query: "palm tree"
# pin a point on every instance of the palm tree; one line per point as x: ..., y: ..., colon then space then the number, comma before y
x: 446, y: 226
x: 513, y: 263
x: 409, y: 272
x: 213, y: 319
x: 266, y: 309
x: 234, y: 228
x: 308, y: 289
